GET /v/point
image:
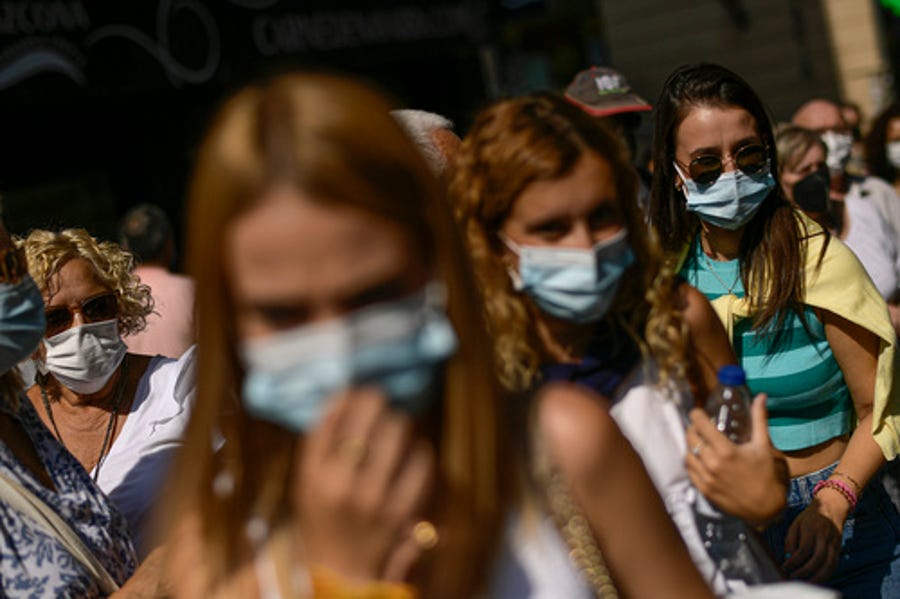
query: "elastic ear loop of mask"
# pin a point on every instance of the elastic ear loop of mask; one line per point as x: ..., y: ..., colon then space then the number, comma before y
x: 514, y: 275
x: 684, y: 178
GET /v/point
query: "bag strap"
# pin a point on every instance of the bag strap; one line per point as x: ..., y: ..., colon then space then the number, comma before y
x: 27, y: 503
x: 572, y: 525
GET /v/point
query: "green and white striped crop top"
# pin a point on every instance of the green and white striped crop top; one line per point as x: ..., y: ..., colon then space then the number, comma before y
x: 809, y: 402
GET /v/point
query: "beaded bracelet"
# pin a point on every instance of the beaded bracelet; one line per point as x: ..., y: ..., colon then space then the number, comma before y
x: 849, y: 479
x: 838, y: 486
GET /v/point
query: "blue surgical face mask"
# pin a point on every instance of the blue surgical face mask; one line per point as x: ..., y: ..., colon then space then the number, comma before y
x: 573, y: 284
x: 397, y: 346
x: 731, y: 200
x: 21, y: 321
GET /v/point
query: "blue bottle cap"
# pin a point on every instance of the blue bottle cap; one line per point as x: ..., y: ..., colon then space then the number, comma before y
x: 732, y: 375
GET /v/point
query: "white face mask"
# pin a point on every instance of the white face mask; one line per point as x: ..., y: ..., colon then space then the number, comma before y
x: 892, y: 149
x: 84, y: 357
x: 840, y: 145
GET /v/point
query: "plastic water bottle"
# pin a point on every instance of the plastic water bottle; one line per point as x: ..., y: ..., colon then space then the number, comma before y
x: 729, y: 404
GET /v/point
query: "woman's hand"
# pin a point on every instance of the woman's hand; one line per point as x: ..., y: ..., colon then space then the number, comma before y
x: 813, y: 542
x: 364, y: 478
x: 747, y: 480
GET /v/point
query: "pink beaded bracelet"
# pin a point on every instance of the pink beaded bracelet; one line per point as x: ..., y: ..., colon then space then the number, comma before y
x: 840, y: 487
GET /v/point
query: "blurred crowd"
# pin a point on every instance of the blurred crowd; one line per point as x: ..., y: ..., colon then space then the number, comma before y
x: 410, y: 362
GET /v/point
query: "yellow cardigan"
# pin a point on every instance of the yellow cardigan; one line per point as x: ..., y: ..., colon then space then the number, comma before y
x: 841, y: 285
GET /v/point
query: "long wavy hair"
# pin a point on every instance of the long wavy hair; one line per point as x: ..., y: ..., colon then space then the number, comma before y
x: 771, y: 248
x: 48, y: 251
x: 541, y: 137
x: 334, y: 140
x: 875, y: 142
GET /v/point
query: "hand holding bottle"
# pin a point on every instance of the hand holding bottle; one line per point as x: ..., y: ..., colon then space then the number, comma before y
x: 748, y: 480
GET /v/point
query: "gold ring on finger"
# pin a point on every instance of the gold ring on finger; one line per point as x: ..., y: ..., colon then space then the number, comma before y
x: 353, y: 450
x: 425, y: 535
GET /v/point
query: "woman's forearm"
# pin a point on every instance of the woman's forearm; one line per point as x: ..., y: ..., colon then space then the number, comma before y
x: 863, y: 456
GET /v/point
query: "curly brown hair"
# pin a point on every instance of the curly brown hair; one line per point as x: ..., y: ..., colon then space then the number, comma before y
x: 48, y: 251
x: 537, y: 138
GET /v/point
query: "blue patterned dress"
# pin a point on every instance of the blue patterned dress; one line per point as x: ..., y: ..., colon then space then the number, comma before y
x: 35, y: 564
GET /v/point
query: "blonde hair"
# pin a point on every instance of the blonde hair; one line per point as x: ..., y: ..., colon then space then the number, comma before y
x: 48, y: 251
x: 535, y: 138
x: 335, y: 140
x: 793, y: 142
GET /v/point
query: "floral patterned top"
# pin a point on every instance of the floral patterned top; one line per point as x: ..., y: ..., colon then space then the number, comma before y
x: 34, y: 563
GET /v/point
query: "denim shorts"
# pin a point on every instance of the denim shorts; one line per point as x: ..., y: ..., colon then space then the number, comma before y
x: 869, y: 564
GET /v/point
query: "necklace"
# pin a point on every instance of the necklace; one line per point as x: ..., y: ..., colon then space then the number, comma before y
x: 119, y: 394
x: 729, y: 289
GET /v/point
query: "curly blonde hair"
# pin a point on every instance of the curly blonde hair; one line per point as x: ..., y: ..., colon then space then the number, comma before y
x: 537, y: 138
x: 48, y: 251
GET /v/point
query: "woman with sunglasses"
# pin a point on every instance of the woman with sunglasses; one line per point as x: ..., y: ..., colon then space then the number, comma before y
x: 121, y: 415
x: 806, y: 322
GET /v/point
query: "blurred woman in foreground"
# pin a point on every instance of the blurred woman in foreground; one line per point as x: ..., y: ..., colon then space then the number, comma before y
x: 367, y: 447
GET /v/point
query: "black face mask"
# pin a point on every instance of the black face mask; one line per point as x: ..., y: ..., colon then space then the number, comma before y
x: 811, y: 192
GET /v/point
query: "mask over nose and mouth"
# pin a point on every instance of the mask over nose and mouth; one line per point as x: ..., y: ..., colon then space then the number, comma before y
x: 839, y: 145
x: 397, y: 346
x: 811, y: 192
x: 731, y: 200
x: 578, y: 285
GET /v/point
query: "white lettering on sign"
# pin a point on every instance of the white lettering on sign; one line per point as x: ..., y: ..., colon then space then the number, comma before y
x: 295, y: 32
x: 29, y: 18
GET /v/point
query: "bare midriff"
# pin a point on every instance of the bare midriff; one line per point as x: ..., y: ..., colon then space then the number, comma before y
x: 810, y: 459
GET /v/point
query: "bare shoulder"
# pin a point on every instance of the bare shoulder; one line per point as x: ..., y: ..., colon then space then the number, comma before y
x: 707, y: 333
x: 698, y: 312
x: 576, y: 427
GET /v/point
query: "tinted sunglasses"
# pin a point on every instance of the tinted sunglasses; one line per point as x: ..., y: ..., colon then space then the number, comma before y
x: 93, y: 309
x: 751, y: 160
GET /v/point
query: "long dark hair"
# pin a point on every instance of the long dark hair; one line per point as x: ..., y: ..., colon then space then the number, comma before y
x: 875, y: 152
x: 771, y: 249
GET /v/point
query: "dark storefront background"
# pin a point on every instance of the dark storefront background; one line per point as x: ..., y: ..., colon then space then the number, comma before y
x: 103, y: 102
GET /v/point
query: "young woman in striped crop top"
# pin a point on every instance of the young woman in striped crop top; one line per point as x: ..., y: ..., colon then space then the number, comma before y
x: 805, y: 321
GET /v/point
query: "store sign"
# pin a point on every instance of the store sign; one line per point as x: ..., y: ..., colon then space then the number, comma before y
x: 289, y: 33
x: 104, y: 44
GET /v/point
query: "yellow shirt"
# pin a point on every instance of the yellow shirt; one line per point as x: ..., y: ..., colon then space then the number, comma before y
x: 840, y: 285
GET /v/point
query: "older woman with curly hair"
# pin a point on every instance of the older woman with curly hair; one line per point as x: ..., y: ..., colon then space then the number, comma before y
x: 121, y: 415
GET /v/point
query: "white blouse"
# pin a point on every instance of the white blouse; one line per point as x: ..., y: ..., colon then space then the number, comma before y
x: 138, y: 461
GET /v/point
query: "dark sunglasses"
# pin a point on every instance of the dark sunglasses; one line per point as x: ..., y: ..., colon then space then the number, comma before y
x: 751, y: 160
x: 93, y: 309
